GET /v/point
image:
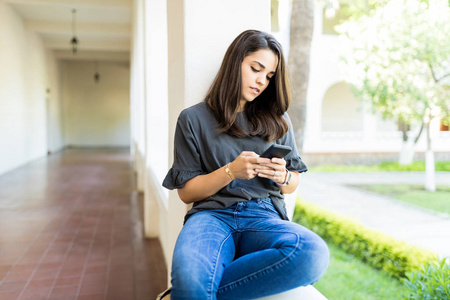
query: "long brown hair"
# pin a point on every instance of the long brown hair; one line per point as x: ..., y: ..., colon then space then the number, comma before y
x: 265, y: 113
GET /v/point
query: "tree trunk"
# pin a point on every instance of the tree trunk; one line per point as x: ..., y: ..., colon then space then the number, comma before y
x: 408, y: 146
x: 407, y: 153
x: 301, y: 32
x: 430, y: 176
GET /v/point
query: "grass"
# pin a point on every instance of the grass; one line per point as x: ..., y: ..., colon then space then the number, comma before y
x: 350, y: 279
x: 443, y: 166
x: 415, y: 194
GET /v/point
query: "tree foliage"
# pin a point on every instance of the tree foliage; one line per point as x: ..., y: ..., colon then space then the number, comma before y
x: 398, y: 59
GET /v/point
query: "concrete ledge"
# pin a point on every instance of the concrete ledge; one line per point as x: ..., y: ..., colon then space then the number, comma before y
x: 300, y: 293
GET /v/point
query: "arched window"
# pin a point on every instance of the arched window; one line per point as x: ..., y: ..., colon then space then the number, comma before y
x: 341, y: 111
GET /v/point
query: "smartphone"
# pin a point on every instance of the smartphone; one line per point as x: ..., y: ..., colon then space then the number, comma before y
x: 276, y: 150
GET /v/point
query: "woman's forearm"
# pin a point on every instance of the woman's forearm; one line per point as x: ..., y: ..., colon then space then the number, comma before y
x: 293, y: 184
x: 203, y: 186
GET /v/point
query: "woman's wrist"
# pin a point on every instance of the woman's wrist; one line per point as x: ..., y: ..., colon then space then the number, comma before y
x: 228, y: 171
x: 286, y: 179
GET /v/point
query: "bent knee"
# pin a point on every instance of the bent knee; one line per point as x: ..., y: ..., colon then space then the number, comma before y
x: 189, y: 282
x: 311, y: 260
x: 191, y: 278
x: 321, y: 260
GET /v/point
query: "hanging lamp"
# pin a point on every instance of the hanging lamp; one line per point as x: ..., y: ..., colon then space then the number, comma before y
x: 96, y: 74
x: 74, y: 40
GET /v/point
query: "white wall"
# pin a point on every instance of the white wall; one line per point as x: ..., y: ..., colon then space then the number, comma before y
x: 23, y: 84
x: 284, y: 22
x: 55, y: 120
x: 96, y: 113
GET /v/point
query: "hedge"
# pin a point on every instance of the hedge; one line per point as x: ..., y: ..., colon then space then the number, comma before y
x: 374, y: 248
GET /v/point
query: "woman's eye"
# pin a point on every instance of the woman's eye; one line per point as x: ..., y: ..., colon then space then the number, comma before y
x: 254, y: 70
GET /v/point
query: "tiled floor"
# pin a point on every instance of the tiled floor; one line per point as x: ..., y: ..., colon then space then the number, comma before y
x: 70, y: 228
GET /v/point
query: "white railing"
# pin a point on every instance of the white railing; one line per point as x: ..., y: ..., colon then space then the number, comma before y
x: 381, y: 141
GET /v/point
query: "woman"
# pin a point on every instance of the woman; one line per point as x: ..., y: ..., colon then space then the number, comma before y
x: 237, y: 242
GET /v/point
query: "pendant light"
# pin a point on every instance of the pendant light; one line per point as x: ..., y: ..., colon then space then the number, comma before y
x: 96, y: 74
x: 74, y: 40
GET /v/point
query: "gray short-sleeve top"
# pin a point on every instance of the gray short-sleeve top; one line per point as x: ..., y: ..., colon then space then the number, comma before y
x: 201, y: 149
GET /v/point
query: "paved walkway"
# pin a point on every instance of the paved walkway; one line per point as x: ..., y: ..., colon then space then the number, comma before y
x: 402, y: 221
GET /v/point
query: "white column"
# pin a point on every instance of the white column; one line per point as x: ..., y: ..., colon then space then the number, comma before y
x: 370, y: 124
x: 156, y: 95
x: 137, y: 95
x: 199, y: 34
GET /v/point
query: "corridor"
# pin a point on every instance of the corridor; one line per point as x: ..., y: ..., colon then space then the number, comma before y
x: 71, y: 228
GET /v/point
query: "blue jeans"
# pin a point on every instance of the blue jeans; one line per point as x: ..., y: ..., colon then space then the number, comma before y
x: 245, y: 251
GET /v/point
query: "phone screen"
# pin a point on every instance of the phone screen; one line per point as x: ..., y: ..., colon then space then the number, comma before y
x: 276, y: 150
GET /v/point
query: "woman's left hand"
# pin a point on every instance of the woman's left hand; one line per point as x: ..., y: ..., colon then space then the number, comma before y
x: 275, y: 170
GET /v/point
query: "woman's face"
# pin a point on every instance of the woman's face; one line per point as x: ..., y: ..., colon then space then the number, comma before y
x: 257, y: 69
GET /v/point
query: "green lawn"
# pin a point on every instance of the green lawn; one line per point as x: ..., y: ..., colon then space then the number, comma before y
x: 350, y: 279
x: 386, y: 166
x: 415, y: 194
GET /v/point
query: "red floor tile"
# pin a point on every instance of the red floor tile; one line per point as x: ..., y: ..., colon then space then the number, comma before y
x: 67, y: 281
x: 13, y: 285
x: 64, y: 292
x: 95, y: 297
x: 41, y: 283
x: 24, y: 268
x: 9, y: 295
x: 70, y: 233
x: 15, y: 276
x: 35, y: 293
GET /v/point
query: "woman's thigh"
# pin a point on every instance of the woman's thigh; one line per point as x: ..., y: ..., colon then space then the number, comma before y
x: 274, y: 256
x: 203, y: 249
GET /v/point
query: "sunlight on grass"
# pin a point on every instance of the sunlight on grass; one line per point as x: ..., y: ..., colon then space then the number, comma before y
x: 348, y: 278
x: 415, y: 194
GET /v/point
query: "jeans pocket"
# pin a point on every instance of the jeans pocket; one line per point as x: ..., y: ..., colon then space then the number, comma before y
x: 266, y: 203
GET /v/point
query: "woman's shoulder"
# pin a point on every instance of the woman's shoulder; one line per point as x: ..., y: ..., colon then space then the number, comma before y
x: 198, y: 114
x: 195, y: 111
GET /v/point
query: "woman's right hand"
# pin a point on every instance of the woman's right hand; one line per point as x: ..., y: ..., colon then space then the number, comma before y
x: 247, y: 164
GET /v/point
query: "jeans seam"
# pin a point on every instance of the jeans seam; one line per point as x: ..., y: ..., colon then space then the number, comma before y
x: 210, y: 288
x: 268, y: 267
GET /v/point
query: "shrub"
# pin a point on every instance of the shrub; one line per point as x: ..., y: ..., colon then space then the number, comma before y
x: 431, y: 282
x: 374, y: 248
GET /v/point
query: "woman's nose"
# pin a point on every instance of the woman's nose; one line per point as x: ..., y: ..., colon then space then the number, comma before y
x: 261, y: 80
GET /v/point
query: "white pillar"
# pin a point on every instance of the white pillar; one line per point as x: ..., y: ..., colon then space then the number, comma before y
x: 370, y: 124
x: 156, y: 116
x: 199, y: 34
x: 137, y: 95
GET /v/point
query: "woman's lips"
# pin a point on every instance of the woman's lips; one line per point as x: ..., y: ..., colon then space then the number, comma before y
x: 255, y: 90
